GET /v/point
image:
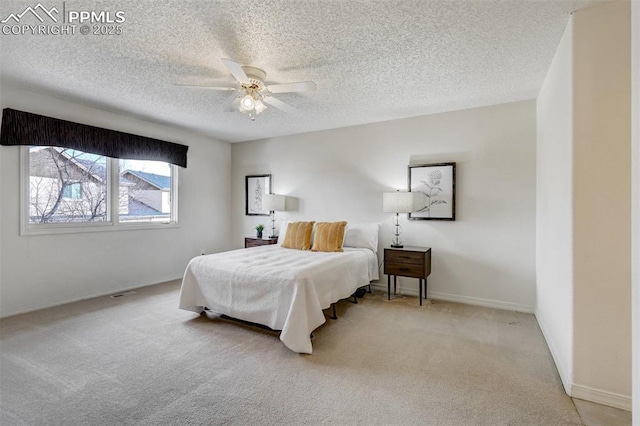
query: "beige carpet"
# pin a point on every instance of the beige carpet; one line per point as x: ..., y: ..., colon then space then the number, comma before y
x: 140, y: 360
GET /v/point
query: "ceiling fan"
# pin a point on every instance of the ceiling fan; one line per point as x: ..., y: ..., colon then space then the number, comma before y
x: 252, y: 93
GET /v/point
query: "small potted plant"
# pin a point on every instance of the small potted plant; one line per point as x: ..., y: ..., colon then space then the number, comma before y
x: 259, y: 230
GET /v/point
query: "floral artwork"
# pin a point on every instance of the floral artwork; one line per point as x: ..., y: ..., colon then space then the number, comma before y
x: 257, y: 196
x: 436, y: 185
x: 255, y: 187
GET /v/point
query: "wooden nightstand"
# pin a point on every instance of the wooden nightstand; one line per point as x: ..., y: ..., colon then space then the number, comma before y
x: 413, y: 262
x: 255, y: 242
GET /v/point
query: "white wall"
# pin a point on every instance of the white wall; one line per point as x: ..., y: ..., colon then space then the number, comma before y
x: 602, y: 201
x: 487, y: 256
x: 635, y: 199
x: 584, y: 260
x: 39, y: 271
x: 554, y: 209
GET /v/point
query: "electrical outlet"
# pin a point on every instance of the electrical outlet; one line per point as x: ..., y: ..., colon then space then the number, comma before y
x: 202, y: 252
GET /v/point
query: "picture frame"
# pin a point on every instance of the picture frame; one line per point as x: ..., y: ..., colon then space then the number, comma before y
x: 255, y: 187
x: 437, y: 184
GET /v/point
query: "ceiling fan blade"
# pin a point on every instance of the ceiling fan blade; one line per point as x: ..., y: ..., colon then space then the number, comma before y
x: 237, y: 71
x: 300, y: 86
x: 279, y: 104
x: 195, y: 86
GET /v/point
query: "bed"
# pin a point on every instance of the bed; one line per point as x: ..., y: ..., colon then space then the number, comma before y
x: 283, y: 289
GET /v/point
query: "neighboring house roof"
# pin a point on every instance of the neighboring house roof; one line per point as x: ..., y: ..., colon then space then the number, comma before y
x: 138, y: 208
x: 96, y: 169
x: 93, y: 169
x: 159, y: 181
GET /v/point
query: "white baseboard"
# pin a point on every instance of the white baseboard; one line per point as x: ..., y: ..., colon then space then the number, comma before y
x: 497, y: 304
x: 611, y: 399
x: 565, y: 374
x: 468, y: 300
x: 32, y: 308
x: 580, y: 391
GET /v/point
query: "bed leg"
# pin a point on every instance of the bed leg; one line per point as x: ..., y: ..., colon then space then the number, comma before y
x: 355, y: 299
x: 335, y: 315
x: 369, y: 288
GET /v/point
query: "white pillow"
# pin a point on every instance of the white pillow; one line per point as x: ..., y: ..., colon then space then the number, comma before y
x: 364, y: 235
x: 283, y: 232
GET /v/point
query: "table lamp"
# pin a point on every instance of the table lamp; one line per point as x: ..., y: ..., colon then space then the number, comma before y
x: 273, y: 203
x: 399, y: 202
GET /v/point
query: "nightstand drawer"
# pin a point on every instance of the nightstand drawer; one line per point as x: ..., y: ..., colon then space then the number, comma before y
x: 404, y: 269
x: 401, y: 256
x: 256, y: 242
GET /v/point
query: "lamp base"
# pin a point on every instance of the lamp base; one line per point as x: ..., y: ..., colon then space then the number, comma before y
x: 397, y: 245
x: 273, y: 237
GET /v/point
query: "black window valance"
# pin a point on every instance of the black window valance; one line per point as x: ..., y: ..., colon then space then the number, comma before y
x: 24, y: 128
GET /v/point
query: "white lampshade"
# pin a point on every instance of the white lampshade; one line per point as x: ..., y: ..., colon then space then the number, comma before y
x: 400, y: 202
x: 273, y: 202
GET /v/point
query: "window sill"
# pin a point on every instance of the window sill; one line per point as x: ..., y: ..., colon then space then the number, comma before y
x: 94, y: 227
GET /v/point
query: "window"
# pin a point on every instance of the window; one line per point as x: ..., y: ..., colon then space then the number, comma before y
x: 69, y: 189
x: 56, y: 179
x: 73, y: 191
x: 145, y: 191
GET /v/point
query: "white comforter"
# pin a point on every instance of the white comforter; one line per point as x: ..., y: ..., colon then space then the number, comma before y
x: 283, y: 289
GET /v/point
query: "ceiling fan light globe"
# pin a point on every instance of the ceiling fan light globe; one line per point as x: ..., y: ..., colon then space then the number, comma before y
x: 247, y: 103
x: 260, y: 106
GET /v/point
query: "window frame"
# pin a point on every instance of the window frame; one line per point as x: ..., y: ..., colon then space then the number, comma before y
x: 112, y: 222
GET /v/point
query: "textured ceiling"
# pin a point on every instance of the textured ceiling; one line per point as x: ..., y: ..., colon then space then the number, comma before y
x: 372, y: 60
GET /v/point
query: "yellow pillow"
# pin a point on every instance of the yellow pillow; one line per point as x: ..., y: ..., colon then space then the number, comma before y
x: 298, y: 235
x: 329, y: 236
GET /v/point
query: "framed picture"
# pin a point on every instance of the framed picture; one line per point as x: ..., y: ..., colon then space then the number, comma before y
x: 255, y: 187
x: 436, y: 184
